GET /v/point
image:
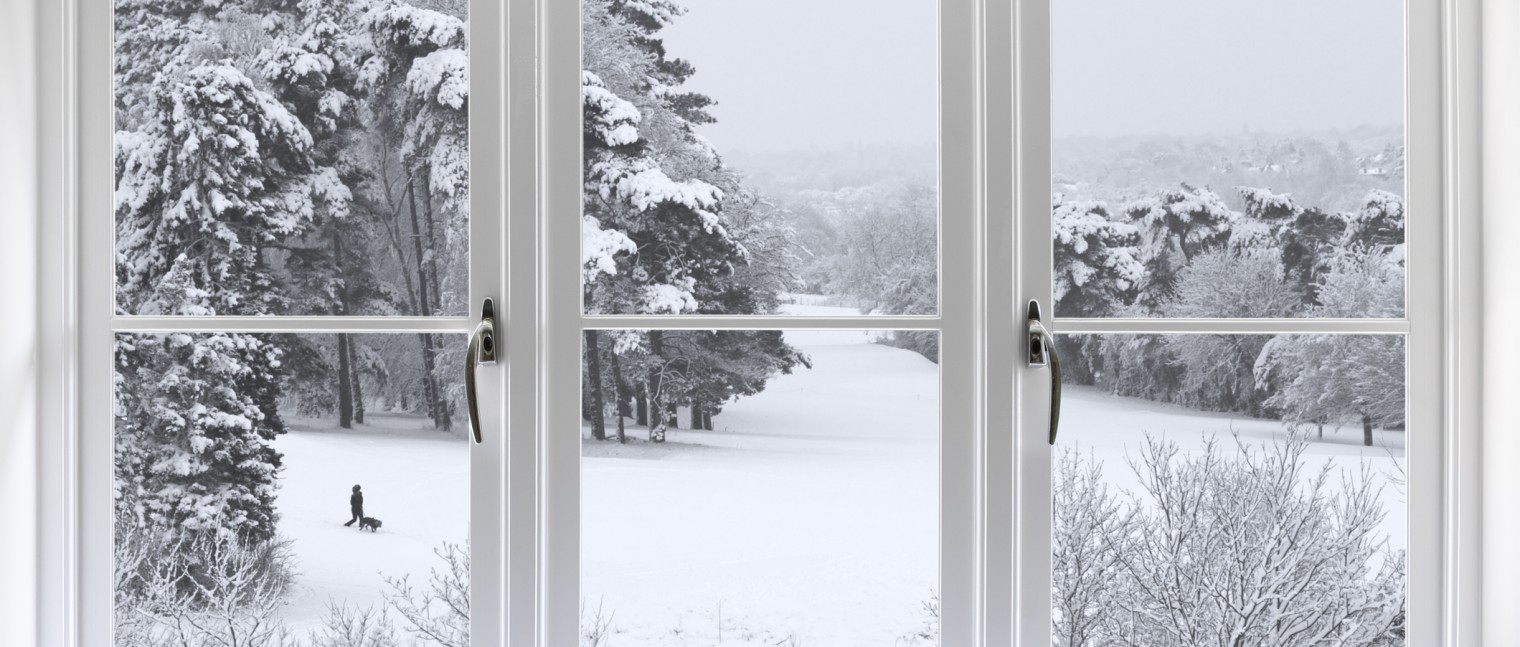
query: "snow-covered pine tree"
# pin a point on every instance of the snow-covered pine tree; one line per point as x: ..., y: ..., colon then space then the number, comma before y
x: 1096, y: 269
x: 656, y: 235
x: 220, y: 171
x: 153, y: 38
x: 1176, y: 225
x: 1266, y: 215
x: 1379, y: 224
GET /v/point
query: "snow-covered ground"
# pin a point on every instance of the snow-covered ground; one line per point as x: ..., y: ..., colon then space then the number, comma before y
x: 810, y: 514
x: 416, y: 481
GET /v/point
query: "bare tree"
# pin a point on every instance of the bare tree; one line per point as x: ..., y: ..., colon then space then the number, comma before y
x: 440, y: 612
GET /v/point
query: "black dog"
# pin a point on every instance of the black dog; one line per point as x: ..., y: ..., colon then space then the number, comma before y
x: 369, y: 522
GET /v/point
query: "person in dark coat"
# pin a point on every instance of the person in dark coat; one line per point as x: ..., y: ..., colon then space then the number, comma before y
x: 355, y: 506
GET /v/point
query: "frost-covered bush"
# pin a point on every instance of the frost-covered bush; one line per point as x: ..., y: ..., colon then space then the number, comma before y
x: 199, y: 592
x: 1092, y: 530
x: 1220, y: 548
x: 439, y: 613
x: 1343, y: 379
x: 1217, y: 371
x: 345, y: 625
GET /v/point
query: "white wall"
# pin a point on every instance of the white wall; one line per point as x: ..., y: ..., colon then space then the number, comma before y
x: 18, y: 322
x: 1501, y: 322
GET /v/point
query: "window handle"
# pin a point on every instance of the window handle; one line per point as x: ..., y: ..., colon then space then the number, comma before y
x: 1042, y: 354
x: 482, y: 352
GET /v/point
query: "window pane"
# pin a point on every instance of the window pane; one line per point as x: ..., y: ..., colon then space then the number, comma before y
x: 789, y: 495
x: 726, y: 173
x: 1217, y: 489
x: 303, y: 158
x: 1208, y: 150
x: 294, y: 485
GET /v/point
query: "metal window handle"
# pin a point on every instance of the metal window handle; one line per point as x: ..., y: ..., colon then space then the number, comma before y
x: 482, y: 352
x: 1042, y: 354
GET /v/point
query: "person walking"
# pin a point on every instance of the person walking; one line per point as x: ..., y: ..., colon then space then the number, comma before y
x: 355, y: 506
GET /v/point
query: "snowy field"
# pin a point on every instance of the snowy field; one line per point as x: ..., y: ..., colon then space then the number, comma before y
x: 416, y: 481
x: 809, y: 515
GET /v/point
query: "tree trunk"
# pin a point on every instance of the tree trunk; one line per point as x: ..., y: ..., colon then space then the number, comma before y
x: 696, y: 415
x: 620, y: 390
x: 641, y: 405
x: 345, y: 385
x: 657, y: 407
x: 432, y: 237
x: 430, y: 385
x: 358, y: 385
x: 1366, y: 430
x: 707, y: 419
x: 594, y: 376
x: 1321, y: 427
x: 345, y: 366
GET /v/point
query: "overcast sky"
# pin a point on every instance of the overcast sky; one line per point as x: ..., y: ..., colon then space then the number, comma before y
x: 812, y: 74
x: 831, y: 74
x: 1125, y: 67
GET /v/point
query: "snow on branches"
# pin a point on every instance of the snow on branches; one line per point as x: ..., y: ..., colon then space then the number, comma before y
x: 1096, y: 264
x: 442, y: 76
x: 608, y: 118
x: 194, y: 425
x: 222, y: 170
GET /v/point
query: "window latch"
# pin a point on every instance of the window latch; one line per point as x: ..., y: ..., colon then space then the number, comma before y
x: 1042, y: 354
x: 482, y: 352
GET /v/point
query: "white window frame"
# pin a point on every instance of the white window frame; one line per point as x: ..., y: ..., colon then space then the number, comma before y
x: 998, y: 57
x: 1440, y: 326
x: 75, y: 586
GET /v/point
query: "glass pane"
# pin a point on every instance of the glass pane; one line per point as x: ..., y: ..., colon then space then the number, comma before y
x: 1231, y: 489
x: 292, y: 158
x: 726, y: 173
x: 1209, y: 150
x: 305, y: 488
x: 787, y: 493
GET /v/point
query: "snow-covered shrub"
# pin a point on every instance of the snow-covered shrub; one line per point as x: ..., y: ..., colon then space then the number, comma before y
x: 927, y: 633
x: 596, y: 626
x: 1216, y: 549
x: 1343, y: 379
x: 345, y: 625
x: 1091, y: 532
x: 205, y: 591
x: 1217, y: 371
x: 440, y: 612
